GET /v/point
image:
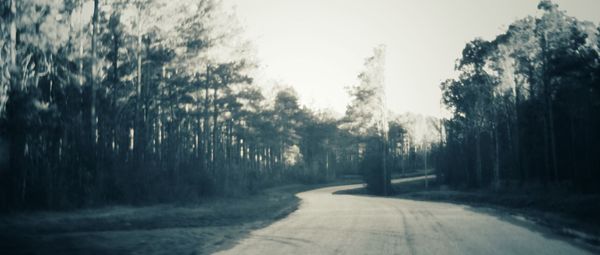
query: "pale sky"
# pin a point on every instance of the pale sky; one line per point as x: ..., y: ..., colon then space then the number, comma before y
x: 319, y: 46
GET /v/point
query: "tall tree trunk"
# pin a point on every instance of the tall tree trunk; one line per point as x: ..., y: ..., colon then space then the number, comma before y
x: 138, y: 133
x: 215, y: 130
x: 16, y: 135
x: 93, y: 153
x: 517, y: 143
x: 115, y: 80
x: 93, y: 119
x: 576, y: 172
x: 80, y: 60
x: 384, y: 167
x: 199, y: 141
x: 205, y: 132
x: 478, y: 160
x: 552, y: 139
x: 546, y: 149
x: 547, y: 97
x: 13, y: 34
x: 496, y: 184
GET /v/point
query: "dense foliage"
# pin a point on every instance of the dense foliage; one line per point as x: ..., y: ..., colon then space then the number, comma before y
x: 145, y: 101
x: 526, y: 106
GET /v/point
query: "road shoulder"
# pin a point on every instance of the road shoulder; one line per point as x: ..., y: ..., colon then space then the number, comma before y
x: 200, y: 228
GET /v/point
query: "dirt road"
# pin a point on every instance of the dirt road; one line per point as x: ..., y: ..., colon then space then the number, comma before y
x: 349, y: 224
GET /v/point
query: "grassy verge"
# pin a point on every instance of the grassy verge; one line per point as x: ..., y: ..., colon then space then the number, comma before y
x: 573, y: 215
x: 163, y: 229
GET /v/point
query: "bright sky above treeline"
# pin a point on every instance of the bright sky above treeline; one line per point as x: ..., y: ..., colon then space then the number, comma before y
x: 318, y: 47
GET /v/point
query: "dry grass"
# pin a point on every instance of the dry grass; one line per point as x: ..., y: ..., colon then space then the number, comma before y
x: 200, y: 228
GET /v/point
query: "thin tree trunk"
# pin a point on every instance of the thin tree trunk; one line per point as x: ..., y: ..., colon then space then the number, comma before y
x: 13, y: 35
x: 573, y: 150
x: 199, y: 139
x: 517, y: 139
x: 138, y: 139
x: 478, y: 163
x: 16, y: 135
x: 547, y: 97
x: 115, y: 81
x: 93, y: 135
x: 93, y: 78
x: 546, y: 149
x: 80, y: 43
x: 207, y: 146
x: 552, y: 140
x: 496, y: 158
x: 215, y: 129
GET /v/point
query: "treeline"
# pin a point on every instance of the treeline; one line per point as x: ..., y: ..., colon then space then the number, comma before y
x: 526, y: 107
x: 142, y: 102
x: 148, y: 101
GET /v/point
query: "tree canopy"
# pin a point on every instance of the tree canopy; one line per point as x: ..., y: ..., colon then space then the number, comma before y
x: 524, y: 106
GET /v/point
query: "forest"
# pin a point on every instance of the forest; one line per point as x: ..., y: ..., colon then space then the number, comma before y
x: 157, y: 127
x: 525, y: 107
x: 142, y: 102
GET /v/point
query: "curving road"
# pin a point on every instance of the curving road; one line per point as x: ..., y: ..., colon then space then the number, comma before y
x: 347, y: 224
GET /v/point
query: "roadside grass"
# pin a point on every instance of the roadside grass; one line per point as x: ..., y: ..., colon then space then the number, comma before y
x: 566, y: 213
x: 199, y: 228
x: 569, y: 214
